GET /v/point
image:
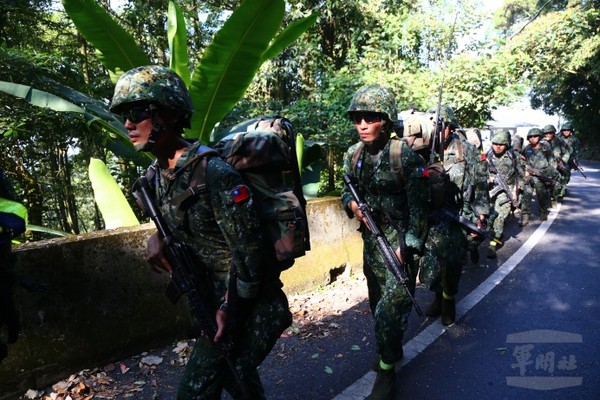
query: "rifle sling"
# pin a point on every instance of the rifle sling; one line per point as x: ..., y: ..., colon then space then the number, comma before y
x: 184, y: 200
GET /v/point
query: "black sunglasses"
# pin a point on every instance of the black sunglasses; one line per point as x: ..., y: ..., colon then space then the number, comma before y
x: 369, y: 117
x: 136, y: 114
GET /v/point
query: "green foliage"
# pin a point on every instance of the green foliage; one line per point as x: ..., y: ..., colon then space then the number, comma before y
x: 231, y: 61
x: 116, y: 48
x: 557, y: 56
x: 109, y: 197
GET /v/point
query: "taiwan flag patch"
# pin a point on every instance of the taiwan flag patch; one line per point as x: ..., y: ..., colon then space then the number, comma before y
x: 240, y: 193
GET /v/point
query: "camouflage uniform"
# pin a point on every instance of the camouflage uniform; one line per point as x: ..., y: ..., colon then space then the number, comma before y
x: 507, y: 165
x: 448, y: 241
x: 574, y: 154
x: 222, y: 229
x: 400, y: 207
x: 218, y: 227
x: 539, y: 158
x: 560, y: 159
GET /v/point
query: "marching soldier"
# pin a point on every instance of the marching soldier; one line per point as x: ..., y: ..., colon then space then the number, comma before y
x: 503, y: 165
x: 398, y: 199
x: 539, y: 171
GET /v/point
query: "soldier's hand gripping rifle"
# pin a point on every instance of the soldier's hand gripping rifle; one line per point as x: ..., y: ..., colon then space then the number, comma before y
x: 383, y: 245
x: 500, y: 185
x: 575, y: 165
x: 539, y: 174
x: 184, y: 276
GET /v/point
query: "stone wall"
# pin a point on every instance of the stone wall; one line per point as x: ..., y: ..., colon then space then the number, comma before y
x: 92, y: 298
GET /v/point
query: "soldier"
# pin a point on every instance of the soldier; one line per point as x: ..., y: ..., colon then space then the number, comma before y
x: 502, y: 162
x: 574, y: 151
x: 222, y: 229
x: 517, y: 145
x: 539, y: 171
x: 448, y: 240
x: 560, y: 158
x: 399, y: 202
x: 13, y: 217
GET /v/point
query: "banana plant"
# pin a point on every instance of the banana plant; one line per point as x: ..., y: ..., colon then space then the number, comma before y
x: 247, y: 39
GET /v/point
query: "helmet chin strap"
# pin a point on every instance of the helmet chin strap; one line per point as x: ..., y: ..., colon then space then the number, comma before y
x: 154, y: 133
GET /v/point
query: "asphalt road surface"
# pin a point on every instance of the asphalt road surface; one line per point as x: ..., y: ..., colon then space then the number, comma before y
x: 527, y: 327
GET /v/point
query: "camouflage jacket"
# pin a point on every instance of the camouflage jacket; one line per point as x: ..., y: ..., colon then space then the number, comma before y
x: 560, y: 152
x: 386, y: 196
x: 540, y: 158
x: 221, y: 225
x: 463, y: 163
x: 507, y: 164
x: 573, y: 147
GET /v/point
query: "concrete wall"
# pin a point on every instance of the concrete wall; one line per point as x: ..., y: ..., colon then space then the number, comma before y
x: 97, y: 300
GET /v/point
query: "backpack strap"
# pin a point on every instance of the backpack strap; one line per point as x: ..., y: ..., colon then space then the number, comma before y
x: 184, y: 200
x: 357, y: 159
x: 396, y: 159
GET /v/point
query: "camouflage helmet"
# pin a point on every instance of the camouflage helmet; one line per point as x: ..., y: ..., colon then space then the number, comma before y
x: 549, y: 129
x: 501, y: 136
x: 567, y: 126
x: 534, y: 132
x: 374, y: 98
x: 153, y: 84
x: 447, y: 115
x: 517, y: 143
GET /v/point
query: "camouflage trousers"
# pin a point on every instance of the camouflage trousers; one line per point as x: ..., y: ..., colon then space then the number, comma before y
x: 542, y: 191
x: 388, y: 299
x: 565, y: 177
x: 502, y: 208
x: 207, y: 374
x: 442, y: 262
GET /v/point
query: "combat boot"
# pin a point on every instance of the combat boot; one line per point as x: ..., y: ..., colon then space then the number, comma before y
x: 495, y: 244
x: 491, y: 251
x: 435, y: 308
x: 383, y: 389
x: 524, y: 220
x: 448, y: 310
x: 544, y: 215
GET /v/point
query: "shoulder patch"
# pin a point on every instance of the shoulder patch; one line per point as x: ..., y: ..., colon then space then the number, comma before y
x: 240, y: 193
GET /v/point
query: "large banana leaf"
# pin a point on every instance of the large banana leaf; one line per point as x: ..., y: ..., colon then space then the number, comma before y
x: 117, y: 50
x: 39, y: 98
x: 111, y: 201
x: 177, y: 35
x: 289, y: 35
x: 230, y: 62
x: 117, y: 139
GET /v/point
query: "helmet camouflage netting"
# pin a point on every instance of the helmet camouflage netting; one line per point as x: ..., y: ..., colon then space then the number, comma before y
x: 534, y: 132
x: 374, y: 98
x: 153, y: 84
x: 501, y: 136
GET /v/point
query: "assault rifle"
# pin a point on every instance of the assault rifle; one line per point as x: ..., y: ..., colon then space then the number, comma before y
x: 185, y: 278
x: 389, y: 255
x: 455, y: 216
x: 573, y: 164
x: 502, y: 186
x: 539, y: 174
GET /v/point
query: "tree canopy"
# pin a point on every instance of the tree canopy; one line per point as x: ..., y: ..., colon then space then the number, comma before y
x: 548, y: 50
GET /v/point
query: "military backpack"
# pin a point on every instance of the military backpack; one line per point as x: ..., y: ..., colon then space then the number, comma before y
x: 265, y: 156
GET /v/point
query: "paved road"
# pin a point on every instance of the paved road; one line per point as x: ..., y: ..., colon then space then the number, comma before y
x: 528, y: 322
x: 531, y: 329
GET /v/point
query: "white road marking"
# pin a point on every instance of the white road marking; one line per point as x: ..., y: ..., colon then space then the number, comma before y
x: 362, y: 387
